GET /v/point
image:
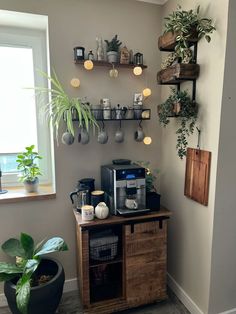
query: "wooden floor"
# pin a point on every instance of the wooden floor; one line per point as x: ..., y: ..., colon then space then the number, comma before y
x: 70, y: 305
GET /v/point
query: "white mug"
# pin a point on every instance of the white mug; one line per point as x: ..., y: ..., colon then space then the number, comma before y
x: 131, y: 203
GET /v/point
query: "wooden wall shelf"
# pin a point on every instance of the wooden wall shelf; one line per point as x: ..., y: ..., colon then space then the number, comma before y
x: 110, y: 65
x: 178, y: 73
x: 167, y: 41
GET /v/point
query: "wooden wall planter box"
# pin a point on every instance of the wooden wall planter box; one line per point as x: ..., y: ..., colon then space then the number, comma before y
x: 167, y: 41
x: 177, y: 73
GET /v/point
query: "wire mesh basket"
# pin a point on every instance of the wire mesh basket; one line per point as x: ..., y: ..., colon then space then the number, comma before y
x: 104, y: 249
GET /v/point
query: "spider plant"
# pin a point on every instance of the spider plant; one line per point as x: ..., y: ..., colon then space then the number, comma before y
x: 61, y: 108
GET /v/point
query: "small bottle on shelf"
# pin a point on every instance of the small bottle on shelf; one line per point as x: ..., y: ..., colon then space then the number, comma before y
x: 90, y: 55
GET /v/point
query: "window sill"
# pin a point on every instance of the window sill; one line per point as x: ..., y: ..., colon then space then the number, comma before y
x: 18, y: 194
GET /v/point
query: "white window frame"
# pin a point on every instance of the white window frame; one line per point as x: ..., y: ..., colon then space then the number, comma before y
x: 37, y: 40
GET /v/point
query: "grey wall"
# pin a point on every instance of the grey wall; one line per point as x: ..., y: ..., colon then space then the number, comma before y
x: 72, y: 23
x: 190, y: 229
x: 223, y: 279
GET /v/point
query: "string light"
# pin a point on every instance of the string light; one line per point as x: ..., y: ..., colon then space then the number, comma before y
x: 75, y: 82
x: 147, y: 140
x: 147, y: 92
x: 137, y: 70
x: 88, y: 64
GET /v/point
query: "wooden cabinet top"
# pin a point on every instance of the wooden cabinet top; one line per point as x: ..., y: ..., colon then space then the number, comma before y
x: 112, y: 220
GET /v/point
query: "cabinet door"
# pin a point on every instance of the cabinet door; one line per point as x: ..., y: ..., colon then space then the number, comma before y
x: 145, y: 251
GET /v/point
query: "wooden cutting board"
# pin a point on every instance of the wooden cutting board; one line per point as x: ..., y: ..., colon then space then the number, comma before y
x: 197, y: 175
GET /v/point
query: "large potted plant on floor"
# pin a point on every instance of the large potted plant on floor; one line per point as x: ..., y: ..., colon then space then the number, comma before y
x: 33, y: 284
x: 27, y: 164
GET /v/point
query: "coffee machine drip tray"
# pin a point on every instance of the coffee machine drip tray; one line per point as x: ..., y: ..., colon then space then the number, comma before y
x: 132, y: 212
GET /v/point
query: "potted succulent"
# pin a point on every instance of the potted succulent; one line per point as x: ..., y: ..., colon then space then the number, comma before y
x: 62, y: 108
x: 182, y: 27
x: 179, y: 105
x: 152, y: 197
x: 33, y: 285
x: 112, y: 49
x: 27, y: 164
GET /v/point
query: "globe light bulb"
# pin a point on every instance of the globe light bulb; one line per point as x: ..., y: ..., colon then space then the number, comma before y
x: 88, y: 64
x: 147, y: 92
x: 75, y: 82
x: 147, y: 140
x: 137, y: 70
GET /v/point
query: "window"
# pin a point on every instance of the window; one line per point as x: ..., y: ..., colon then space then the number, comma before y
x: 22, y: 52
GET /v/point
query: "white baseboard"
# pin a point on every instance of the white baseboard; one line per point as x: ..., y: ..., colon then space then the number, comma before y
x: 183, y: 296
x: 69, y: 285
x: 233, y: 311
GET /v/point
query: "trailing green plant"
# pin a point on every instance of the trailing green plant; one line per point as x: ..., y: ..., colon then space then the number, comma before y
x: 27, y: 164
x: 185, y: 23
x: 151, y: 175
x: 28, y: 257
x: 60, y: 107
x: 114, y: 44
x: 180, y: 105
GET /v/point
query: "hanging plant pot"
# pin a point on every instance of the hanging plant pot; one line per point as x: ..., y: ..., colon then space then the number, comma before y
x: 179, y: 105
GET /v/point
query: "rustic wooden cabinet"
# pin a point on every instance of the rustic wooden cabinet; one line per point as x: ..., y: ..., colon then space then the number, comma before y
x: 136, y: 275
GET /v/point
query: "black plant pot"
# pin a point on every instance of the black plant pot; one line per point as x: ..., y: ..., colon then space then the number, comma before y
x: 153, y: 200
x: 44, y: 299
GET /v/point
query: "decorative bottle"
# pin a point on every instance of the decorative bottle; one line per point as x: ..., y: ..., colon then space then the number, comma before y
x: 100, y: 51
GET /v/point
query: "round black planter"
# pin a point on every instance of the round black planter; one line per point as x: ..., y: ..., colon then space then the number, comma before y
x: 44, y: 299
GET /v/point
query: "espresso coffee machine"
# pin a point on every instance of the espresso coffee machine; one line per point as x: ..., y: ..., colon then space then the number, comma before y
x: 125, y: 189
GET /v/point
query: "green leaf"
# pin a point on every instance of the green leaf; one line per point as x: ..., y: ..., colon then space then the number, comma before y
x: 7, y: 268
x: 12, y: 247
x: 52, y: 245
x: 28, y: 244
x: 7, y: 277
x: 23, y: 294
x: 31, y: 266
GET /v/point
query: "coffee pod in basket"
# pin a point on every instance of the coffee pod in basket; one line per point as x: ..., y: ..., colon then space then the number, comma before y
x: 87, y: 212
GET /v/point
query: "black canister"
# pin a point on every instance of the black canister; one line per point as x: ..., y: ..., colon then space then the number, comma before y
x: 97, y: 197
x: 88, y: 182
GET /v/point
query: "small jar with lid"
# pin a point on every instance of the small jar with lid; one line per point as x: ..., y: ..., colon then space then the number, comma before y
x: 87, y: 212
x: 90, y: 55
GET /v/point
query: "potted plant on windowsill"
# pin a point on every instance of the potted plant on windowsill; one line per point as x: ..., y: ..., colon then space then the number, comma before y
x: 60, y: 108
x: 152, y: 197
x: 33, y: 285
x: 180, y: 106
x: 27, y: 164
x: 183, y: 27
x: 112, y: 49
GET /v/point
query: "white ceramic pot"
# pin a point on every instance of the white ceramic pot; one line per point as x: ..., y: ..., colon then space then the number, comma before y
x: 112, y: 56
x: 101, y: 211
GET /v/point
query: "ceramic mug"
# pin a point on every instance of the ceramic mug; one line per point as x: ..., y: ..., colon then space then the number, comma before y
x: 102, y: 137
x: 131, y: 203
x: 83, y: 136
x: 119, y: 136
x: 139, y: 135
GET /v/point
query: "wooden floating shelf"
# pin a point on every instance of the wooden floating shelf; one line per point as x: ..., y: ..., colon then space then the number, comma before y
x: 178, y: 73
x: 110, y: 65
x: 167, y: 41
